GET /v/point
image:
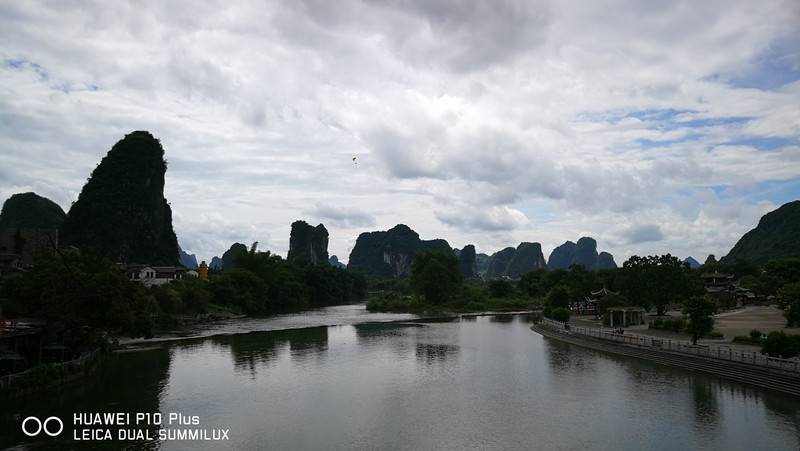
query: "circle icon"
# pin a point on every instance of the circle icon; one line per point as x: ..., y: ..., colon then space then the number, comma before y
x: 25, y: 429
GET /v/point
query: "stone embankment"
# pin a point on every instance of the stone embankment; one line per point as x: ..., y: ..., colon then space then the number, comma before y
x: 767, y: 378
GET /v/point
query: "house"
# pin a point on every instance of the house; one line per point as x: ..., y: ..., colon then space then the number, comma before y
x: 24, y: 244
x: 155, y: 275
x: 725, y: 288
x: 589, y: 305
x: 716, y: 282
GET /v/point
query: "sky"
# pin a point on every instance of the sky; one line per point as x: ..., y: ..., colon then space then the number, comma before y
x: 653, y: 127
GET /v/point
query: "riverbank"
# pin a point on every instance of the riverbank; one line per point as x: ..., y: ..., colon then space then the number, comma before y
x: 767, y: 378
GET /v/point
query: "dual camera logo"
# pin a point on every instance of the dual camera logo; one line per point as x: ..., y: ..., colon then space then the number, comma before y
x: 51, y: 426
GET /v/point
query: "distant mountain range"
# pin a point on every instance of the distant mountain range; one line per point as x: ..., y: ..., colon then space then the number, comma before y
x: 583, y: 253
x: 694, y: 264
x: 187, y: 260
x: 390, y: 253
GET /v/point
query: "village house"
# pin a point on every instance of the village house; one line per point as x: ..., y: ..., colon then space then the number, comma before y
x: 725, y: 286
x: 150, y: 276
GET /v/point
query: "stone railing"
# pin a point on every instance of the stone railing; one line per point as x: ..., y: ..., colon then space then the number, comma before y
x: 677, y: 346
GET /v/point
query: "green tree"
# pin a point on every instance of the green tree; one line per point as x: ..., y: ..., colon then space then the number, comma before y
x: 778, y: 344
x: 558, y: 297
x: 611, y: 300
x: 500, y: 288
x: 533, y: 283
x: 790, y: 296
x: 435, y: 276
x: 700, y: 311
x: 657, y: 281
x: 560, y: 314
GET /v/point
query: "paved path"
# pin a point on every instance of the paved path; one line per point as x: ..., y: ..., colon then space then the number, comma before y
x: 771, y: 379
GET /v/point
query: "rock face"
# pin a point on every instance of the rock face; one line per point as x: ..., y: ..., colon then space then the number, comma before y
x: 216, y: 263
x: 467, y: 262
x: 230, y: 256
x: 605, y: 261
x: 694, y: 264
x: 308, y: 243
x: 583, y: 253
x: 121, y: 212
x: 187, y: 260
x: 390, y: 253
x: 498, y: 264
x: 527, y: 257
x: 776, y: 236
x: 334, y: 261
x: 482, y: 261
x: 562, y: 256
x: 29, y: 210
x: 515, y: 262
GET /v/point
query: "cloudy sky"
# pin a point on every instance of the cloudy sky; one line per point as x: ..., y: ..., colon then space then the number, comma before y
x: 652, y: 126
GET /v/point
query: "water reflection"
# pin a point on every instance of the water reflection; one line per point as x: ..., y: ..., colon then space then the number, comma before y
x: 250, y: 351
x: 477, y: 383
x: 123, y: 382
x: 706, y: 409
x: 435, y: 353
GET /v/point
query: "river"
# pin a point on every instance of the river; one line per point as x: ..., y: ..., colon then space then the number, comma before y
x: 486, y: 383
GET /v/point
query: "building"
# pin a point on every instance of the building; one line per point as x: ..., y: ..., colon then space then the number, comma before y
x: 624, y: 316
x: 715, y: 282
x: 727, y: 290
x: 150, y: 276
x: 19, y: 247
x: 589, y: 305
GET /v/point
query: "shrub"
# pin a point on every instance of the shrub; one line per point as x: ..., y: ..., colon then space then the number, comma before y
x: 778, y: 344
x: 500, y: 289
x: 560, y: 314
x: 716, y: 334
x: 755, y: 334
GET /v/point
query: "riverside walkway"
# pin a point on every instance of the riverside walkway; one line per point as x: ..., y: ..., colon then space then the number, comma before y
x: 776, y: 374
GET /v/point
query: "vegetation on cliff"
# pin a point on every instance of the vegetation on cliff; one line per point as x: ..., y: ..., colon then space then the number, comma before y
x: 776, y: 236
x: 390, y: 253
x: 583, y: 253
x: 29, y: 210
x: 121, y: 213
x: 308, y: 243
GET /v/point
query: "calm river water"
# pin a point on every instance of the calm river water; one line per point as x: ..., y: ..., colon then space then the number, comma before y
x: 487, y: 383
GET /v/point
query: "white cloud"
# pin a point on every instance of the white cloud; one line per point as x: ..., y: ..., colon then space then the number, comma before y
x: 470, y: 121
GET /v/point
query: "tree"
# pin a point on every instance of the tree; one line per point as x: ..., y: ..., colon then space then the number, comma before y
x: 700, y: 311
x: 778, y: 344
x: 533, y: 283
x: 657, y: 281
x: 790, y: 296
x: 560, y: 314
x: 435, y: 276
x: 558, y: 297
x: 611, y: 300
x: 500, y: 288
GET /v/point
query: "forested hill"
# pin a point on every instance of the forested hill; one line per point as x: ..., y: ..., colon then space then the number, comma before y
x: 776, y: 236
x: 31, y: 210
x: 121, y: 212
